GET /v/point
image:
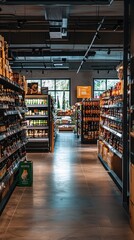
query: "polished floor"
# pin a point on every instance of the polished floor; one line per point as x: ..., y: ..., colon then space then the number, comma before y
x: 72, y: 198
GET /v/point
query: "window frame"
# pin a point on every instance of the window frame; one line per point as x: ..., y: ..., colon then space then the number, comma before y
x: 55, y: 79
x: 116, y: 79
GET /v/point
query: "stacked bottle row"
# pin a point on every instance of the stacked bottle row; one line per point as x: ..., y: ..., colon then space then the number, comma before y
x: 90, y: 119
x: 10, y: 98
x: 7, y: 146
x: 35, y: 133
x: 9, y: 165
x: 37, y: 123
x: 115, y: 125
x: 36, y: 101
x: 113, y: 112
x: 114, y: 141
x: 33, y: 112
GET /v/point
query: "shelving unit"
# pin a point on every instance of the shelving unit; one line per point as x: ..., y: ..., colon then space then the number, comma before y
x: 110, y: 145
x: 65, y: 120
x: 39, y: 122
x: 78, y: 119
x: 12, y: 136
x: 90, y: 117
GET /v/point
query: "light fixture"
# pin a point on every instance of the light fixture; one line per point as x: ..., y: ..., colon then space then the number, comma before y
x: 98, y: 71
x: 42, y: 71
x: 58, y: 64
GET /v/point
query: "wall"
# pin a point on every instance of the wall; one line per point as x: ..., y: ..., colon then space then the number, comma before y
x: 81, y: 79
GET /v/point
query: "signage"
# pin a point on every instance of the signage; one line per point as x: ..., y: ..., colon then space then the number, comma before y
x: 83, y: 91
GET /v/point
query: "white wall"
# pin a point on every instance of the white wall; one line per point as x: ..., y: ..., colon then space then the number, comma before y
x: 81, y: 79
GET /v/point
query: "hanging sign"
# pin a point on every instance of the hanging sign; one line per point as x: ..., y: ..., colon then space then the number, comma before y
x: 83, y: 91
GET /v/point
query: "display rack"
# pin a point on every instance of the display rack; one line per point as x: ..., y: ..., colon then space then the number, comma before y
x: 78, y: 118
x: 65, y: 120
x: 12, y: 136
x: 131, y: 145
x: 90, y: 116
x: 110, y: 145
x: 39, y: 122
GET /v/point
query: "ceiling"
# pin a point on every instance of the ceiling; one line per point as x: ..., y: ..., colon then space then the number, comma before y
x: 79, y: 35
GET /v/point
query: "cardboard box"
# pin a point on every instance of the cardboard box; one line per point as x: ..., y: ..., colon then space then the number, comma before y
x: 132, y: 182
x: 131, y: 212
x: 105, y: 151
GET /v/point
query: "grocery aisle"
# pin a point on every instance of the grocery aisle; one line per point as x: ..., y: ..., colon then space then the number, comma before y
x: 73, y: 198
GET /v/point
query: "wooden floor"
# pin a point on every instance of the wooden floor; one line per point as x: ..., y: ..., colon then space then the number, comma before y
x: 72, y: 198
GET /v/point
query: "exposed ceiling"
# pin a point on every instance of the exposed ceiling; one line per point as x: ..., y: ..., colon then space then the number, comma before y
x: 62, y: 35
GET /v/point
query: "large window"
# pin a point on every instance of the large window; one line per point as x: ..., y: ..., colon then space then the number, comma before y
x: 59, y: 89
x: 101, y: 85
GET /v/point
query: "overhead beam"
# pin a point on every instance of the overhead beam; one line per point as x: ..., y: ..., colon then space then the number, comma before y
x: 51, y: 2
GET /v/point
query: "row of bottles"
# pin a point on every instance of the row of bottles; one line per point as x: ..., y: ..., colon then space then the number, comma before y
x: 91, y: 117
x: 37, y: 123
x: 10, y: 97
x: 112, y: 124
x: 8, y: 145
x: 90, y: 103
x: 37, y: 112
x: 117, y: 100
x: 114, y: 112
x: 35, y: 133
x: 36, y: 101
x: 91, y: 135
x: 113, y: 140
x: 10, y: 123
x: 91, y: 126
x: 7, y: 166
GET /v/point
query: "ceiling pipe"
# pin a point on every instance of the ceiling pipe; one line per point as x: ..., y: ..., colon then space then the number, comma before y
x: 89, y: 47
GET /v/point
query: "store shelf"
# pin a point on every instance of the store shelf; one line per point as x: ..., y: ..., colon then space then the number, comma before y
x: 37, y: 106
x: 112, y: 131
x: 111, y: 147
x: 10, y: 133
x: 38, y: 140
x: 119, y: 105
x: 10, y: 84
x: 37, y: 127
x: 36, y: 117
x: 111, y: 117
x: 12, y: 152
x: 113, y: 175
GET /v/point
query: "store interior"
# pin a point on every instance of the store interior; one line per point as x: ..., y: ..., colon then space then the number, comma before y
x: 66, y: 120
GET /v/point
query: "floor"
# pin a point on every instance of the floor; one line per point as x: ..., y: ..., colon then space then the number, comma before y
x: 72, y: 198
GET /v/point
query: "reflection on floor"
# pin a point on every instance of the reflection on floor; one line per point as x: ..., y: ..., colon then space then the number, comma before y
x: 72, y: 198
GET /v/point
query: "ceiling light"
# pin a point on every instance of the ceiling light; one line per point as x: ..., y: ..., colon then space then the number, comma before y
x: 58, y: 64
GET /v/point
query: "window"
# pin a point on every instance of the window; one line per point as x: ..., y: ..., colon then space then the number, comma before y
x: 59, y: 89
x: 101, y: 85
